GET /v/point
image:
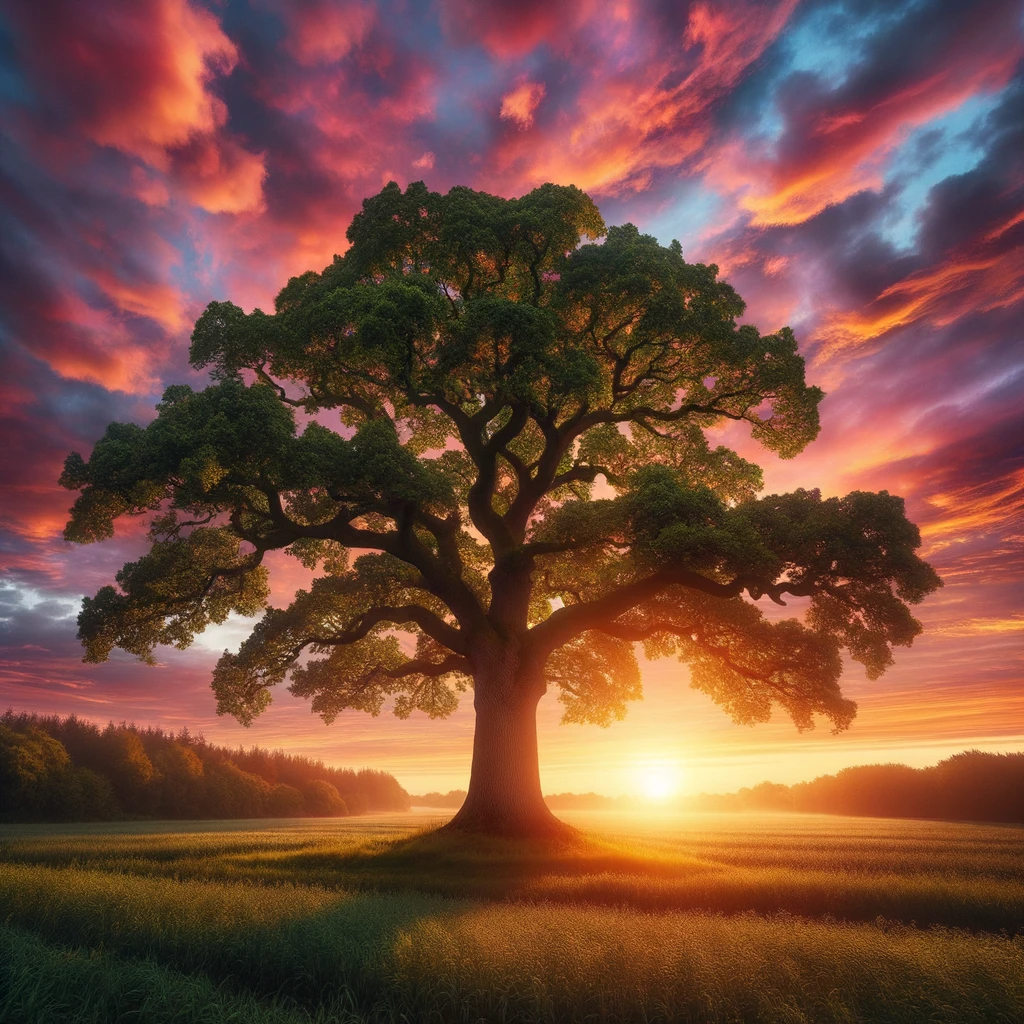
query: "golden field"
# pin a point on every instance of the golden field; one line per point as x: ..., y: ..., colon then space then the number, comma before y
x: 724, y: 918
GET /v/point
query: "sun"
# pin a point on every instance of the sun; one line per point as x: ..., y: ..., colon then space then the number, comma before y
x: 658, y: 781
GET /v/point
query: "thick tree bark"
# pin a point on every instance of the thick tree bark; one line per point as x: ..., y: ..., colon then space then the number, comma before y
x: 504, y: 797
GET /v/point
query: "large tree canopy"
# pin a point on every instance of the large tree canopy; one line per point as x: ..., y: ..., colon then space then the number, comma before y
x: 490, y: 438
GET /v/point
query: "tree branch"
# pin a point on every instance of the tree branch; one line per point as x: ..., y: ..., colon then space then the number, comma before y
x: 431, y: 624
x: 636, y: 633
x: 261, y: 373
x: 433, y: 669
x: 252, y: 562
x: 558, y: 440
x: 580, y: 473
x: 401, y: 543
x: 568, y: 622
x: 481, y: 495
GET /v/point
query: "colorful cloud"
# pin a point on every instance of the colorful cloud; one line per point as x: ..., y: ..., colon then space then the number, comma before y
x: 854, y: 166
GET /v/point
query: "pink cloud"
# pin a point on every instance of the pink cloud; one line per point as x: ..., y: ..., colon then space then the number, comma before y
x: 511, y: 28
x: 520, y: 102
x: 139, y: 79
x: 320, y: 31
x: 646, y: 109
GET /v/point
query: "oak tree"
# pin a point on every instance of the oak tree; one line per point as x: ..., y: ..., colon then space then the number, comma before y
x: 485, y: 429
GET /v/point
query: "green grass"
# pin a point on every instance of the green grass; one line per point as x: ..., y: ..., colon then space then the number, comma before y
x: 47, y: 984
x: 717, y: 918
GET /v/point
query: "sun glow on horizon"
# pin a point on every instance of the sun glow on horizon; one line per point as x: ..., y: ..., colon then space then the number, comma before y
x: 658, y: 781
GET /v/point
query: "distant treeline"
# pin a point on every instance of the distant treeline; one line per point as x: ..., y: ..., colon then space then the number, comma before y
x: 453, y: 798
x: 588, y: 802
x: 66, y: 769
x: 972, y: 786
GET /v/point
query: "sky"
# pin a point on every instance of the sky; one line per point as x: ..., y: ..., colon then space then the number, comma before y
x: 855, y: 168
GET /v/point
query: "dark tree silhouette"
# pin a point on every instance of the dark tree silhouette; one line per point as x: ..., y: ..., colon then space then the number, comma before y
x: 517, y: 477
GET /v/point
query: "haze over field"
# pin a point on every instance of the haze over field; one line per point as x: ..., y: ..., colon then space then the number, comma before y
x: 854, y: 169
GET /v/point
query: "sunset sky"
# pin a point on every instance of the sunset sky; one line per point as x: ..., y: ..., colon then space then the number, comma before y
x: 855, y: 168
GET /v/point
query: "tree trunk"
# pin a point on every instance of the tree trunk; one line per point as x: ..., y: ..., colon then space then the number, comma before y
x: 504, y: 797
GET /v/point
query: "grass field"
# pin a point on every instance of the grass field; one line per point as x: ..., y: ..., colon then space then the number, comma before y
x: 697, y: 918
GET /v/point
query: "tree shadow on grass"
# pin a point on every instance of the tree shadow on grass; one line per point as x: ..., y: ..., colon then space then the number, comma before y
x: 592, y: 870
x: 442, y: 863
x: 600, y: 873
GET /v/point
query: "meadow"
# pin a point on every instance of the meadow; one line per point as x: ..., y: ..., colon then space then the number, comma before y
x: 718, y: 918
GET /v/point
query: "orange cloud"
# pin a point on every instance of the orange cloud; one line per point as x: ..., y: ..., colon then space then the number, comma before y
x: 633, y: 120
x: 983, y: 625
x: 157, y: 300
x: 219, y: 175
x: 976, y: 507
x: 839, y: 143
x: 976, y: 278
x: 519, y: 104
x: 83, y: 343
x: 150, y: 294
x: 40, y: 516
